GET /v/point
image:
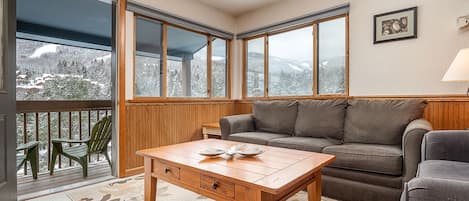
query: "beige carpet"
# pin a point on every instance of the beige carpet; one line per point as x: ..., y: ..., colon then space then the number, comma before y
x: 131, y: 189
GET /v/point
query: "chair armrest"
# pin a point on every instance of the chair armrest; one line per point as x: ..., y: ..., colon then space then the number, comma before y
x: 411, y: 146
x: 61, y: 140
x: 446, y: 145
x: 236, y: 124
x: 28, y: 145
x: 432, y: 189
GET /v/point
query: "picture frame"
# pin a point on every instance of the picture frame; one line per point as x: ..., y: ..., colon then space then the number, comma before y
x: 395, y: 25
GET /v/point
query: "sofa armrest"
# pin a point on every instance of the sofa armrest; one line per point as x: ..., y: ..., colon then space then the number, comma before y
x: 446, y: 145
x: 433, y: 189
x: 411, y: 146
x: 236, y: 124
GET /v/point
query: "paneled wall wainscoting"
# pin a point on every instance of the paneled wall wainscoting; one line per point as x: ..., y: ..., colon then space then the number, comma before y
x: 151, y: 125
x: 156, y: 124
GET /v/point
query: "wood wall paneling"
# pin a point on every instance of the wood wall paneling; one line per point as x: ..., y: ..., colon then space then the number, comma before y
x: 151, y: 125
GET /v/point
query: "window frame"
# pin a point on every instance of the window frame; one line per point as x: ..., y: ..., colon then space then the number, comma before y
x: 164, y: 56
x: 315, y: 66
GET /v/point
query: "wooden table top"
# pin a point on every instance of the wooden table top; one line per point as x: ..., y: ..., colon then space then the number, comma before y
x: 273, y: 171
x: 211, y: 125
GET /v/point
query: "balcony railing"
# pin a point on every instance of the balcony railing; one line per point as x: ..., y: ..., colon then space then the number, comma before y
x: 45, y: 120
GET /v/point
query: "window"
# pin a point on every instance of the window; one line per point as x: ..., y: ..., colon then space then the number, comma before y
x: 187, y: 63
x: 219, y: 68
x: 148, y: 58
x: 255, y: 68
x: 174, y: 62
x: 331, y: 57
x: 306, y: 61
x: 291, y: 63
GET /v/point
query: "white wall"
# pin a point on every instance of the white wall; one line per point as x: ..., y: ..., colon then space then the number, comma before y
x: 189, y: 9
x: 408, y: 67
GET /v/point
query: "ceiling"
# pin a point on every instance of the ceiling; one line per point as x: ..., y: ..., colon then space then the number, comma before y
x: 237, y: 7
x: 84, y: 20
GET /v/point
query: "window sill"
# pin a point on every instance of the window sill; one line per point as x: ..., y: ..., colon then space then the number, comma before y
x: 179, y: 100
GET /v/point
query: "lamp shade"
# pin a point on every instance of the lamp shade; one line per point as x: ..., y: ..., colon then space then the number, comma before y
x: 459, y: 69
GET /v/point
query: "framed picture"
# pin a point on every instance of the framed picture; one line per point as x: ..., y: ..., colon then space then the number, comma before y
x: 396, y: 25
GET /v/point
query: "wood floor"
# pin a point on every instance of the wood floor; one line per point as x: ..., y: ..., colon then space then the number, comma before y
x: 64, y: 179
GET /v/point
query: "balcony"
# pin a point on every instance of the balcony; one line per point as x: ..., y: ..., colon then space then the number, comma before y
x: 43, y: 121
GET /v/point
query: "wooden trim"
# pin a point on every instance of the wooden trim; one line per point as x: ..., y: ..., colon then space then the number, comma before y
x: 228, y: 69
x: 134, y: 171
x: 315, y: 60
x: 347, y: 55
x: 266, y: 66
x: 209, y: 66
x: 245, y: 68
x: 432, y: 98
x: 134, y: 56
x: 175, y: 100
x: 121, y: 33
x: 164, y: 79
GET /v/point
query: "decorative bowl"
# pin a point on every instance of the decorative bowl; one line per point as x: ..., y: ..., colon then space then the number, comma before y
x: 249, y: 151
x: 211, y: 152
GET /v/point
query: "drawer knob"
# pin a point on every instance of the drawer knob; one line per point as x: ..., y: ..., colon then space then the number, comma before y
x: 215, y: 185
x: 167, y: 170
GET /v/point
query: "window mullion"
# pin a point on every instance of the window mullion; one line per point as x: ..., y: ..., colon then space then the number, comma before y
x: 315, y: 60
x: 245, y: 69
x: 266, y: 66
x: 165, y: 59
x: 209, y: 66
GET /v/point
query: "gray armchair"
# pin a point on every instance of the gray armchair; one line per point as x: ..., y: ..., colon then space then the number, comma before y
x: 443, y: 173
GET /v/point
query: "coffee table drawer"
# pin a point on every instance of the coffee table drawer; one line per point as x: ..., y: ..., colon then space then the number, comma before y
x: 166, y: 170
x: 218, y: 186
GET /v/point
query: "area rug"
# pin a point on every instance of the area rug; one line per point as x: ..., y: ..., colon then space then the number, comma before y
x: 131, y: 189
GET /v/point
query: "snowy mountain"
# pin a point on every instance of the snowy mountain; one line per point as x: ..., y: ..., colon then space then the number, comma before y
x: 57, y: 72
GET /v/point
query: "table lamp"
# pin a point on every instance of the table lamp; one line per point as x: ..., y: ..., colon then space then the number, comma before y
x: 459, y: 69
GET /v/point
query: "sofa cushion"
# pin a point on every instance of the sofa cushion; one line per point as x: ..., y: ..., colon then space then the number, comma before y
x: 441, y: 169
x: 301, y: 143
x: 275, y: 116
x: 255, y: 137
x: 321, y: 118
x: 380, y: 121
x: 384, y: 159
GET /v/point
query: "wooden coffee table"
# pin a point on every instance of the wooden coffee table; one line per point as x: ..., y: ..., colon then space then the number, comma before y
x: 277, y: 174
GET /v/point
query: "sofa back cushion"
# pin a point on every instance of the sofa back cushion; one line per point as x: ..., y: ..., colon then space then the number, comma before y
x: 321, y: 118
x: 380, y: 121
x: 275, y: 116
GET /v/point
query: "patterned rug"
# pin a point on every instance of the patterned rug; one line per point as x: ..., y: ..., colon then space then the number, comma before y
x: 131, y: 189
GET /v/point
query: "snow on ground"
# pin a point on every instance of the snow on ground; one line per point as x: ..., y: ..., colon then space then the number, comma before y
x: 49, y: 48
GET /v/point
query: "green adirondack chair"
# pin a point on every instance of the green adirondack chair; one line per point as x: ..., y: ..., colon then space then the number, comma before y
x: 96, y: 144
x: 31, y: 154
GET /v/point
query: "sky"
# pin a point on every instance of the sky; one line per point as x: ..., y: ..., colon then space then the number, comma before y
x: 297, y: 44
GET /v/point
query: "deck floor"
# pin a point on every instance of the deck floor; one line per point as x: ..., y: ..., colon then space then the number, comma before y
x: 64, y: 179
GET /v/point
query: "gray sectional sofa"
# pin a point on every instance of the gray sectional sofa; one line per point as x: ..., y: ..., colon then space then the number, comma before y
x: 443, y: 173
x: 376, y: 143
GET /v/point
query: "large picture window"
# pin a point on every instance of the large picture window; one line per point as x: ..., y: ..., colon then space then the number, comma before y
x: 307, y: 61
x: 175, y: 62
